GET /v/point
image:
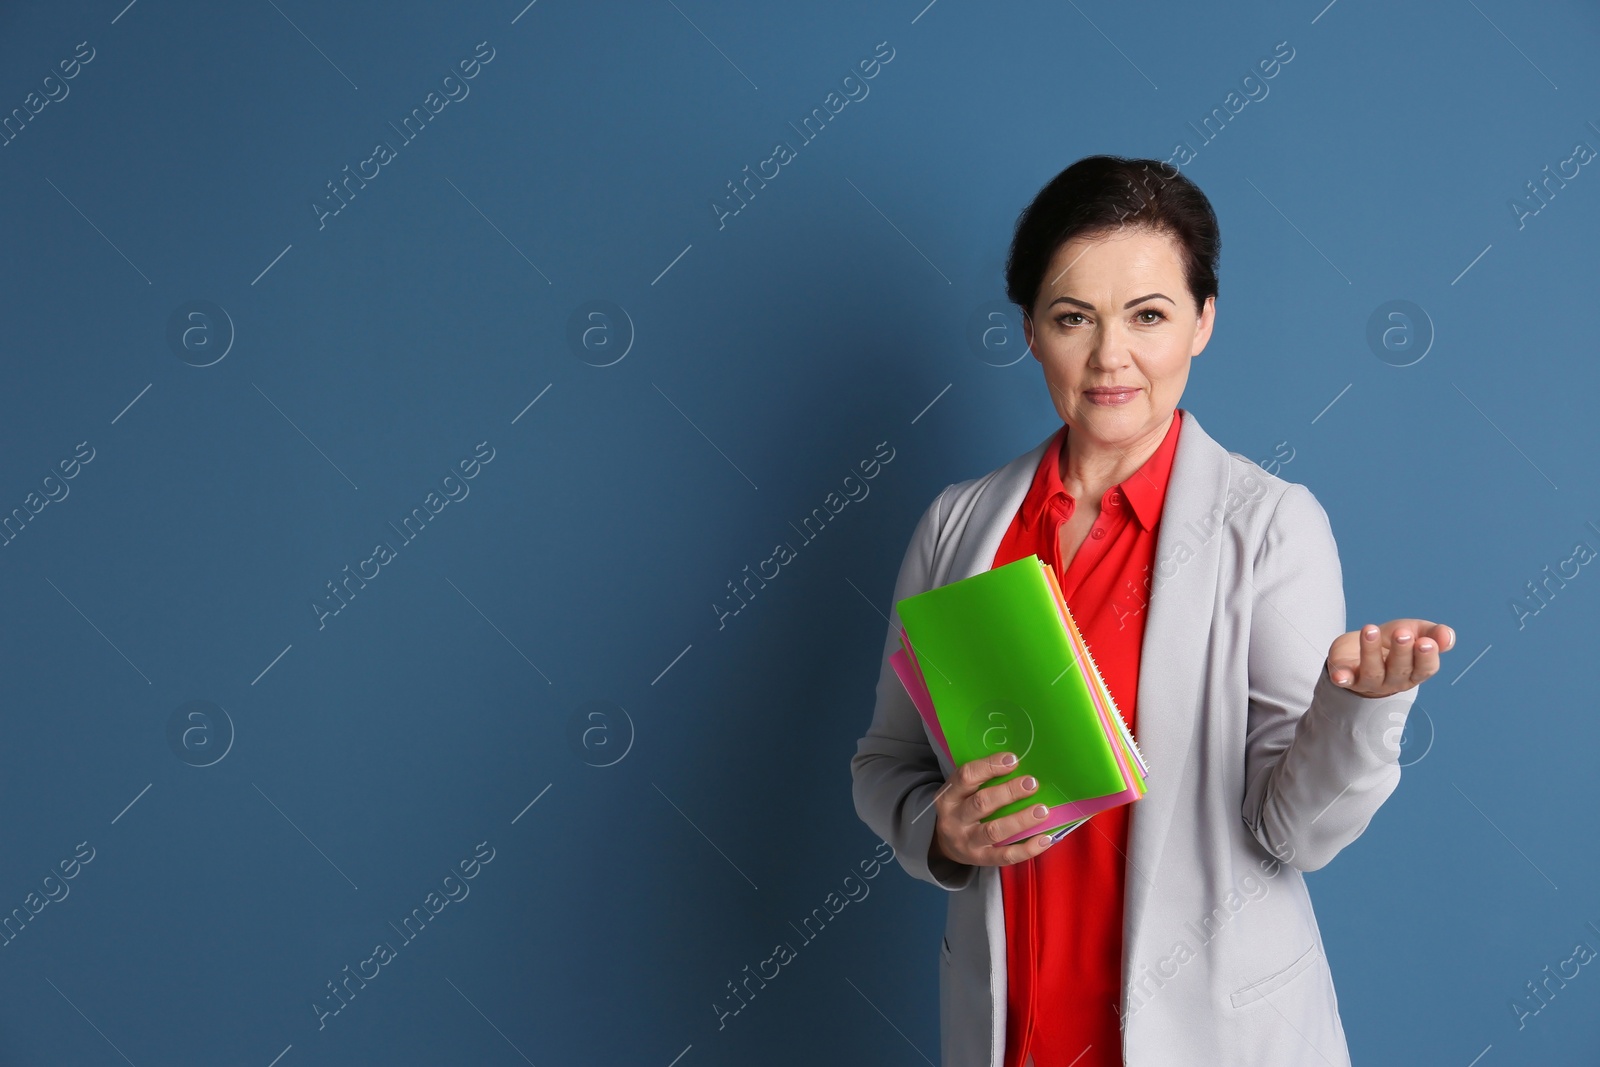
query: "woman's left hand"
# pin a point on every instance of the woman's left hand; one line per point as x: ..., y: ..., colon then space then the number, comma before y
x: 1380, y: 661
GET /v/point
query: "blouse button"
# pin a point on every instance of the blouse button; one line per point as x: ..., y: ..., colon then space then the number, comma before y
x: 1114, y: 498
x: 1097, y: 533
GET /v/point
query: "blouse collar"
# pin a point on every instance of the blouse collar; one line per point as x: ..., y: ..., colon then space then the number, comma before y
x: 1144, y: 489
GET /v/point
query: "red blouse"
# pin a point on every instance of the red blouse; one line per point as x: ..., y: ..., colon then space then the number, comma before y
x: 1063, y: 907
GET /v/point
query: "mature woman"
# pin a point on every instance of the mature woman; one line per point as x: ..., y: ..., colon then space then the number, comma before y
x: 1177, y: 929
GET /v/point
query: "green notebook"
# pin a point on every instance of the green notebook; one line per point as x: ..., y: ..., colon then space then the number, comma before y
x: 1001, y: 671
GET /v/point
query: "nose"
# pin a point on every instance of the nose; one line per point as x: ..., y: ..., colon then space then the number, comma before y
x: 1112, y: 348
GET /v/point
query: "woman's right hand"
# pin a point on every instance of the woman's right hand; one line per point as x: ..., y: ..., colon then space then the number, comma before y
x: 959, y: 832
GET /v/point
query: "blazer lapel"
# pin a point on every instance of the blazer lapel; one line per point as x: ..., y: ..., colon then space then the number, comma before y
x: 1172, y: 655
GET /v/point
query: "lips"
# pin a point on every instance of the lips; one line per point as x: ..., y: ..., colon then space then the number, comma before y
x: 1108, y: 395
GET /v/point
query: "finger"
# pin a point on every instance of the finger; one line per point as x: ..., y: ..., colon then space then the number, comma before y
x: 1444, y: 637
x: 1343, y: 657
x: 1397, y: 667
x: 975, y: 773
x: 1022, y: 850
x: 1343, y: 672
x: 1369, y: 675
x: 994, y: 797
x: 984, y: 799
x: 997, y: 830
x: 1434, y: 641
x: 1424, y: 661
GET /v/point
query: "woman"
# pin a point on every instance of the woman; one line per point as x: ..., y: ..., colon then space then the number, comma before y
x: 1177, y: 929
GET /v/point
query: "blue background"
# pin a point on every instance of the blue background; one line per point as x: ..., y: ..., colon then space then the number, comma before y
x: 648, y: 847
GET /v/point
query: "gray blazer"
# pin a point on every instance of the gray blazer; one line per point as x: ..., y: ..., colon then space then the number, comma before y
x: 1260, y: 768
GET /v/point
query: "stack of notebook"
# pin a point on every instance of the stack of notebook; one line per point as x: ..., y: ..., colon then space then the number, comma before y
x: 995, y: 663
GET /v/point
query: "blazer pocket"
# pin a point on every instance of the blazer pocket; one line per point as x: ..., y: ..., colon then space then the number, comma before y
x: 1274, y: 982
x: 944, y: 950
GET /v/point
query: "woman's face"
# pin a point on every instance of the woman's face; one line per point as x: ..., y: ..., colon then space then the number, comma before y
x: 1114, y: 327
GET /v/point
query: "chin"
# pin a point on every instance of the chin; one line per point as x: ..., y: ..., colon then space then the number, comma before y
x: 1136, y: 410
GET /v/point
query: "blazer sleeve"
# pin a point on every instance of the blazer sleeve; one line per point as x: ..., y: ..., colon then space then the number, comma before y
x: 1319, y: 759
x: 895, y: 771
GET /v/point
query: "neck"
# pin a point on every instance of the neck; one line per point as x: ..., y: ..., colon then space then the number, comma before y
x: 1088, y: 467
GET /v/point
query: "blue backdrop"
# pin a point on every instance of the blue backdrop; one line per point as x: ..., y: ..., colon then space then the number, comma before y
x: 392, y: 394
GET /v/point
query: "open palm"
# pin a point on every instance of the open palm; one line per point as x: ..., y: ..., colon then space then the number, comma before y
x: 1380, y: 661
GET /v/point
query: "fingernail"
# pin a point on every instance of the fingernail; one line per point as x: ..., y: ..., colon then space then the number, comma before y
x: 1424, y: 645
x: 1370, y: 632
x: 1402, y: 636
x: 1030, y: 782
x: 1007, y: 759
x: 1040, y: 811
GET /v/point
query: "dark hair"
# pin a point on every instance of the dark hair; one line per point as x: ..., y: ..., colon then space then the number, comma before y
x: 1098, y: 194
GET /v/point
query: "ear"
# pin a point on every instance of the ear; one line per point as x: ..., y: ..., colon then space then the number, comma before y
x: 1203, y: 325
x: 1027, y: 333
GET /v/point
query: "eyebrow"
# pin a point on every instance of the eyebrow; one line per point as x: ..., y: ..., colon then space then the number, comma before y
x: 1129, y: 304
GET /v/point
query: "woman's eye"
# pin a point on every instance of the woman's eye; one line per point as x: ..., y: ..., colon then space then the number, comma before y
x: 1069, y: 315
x: 1150, y: 311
